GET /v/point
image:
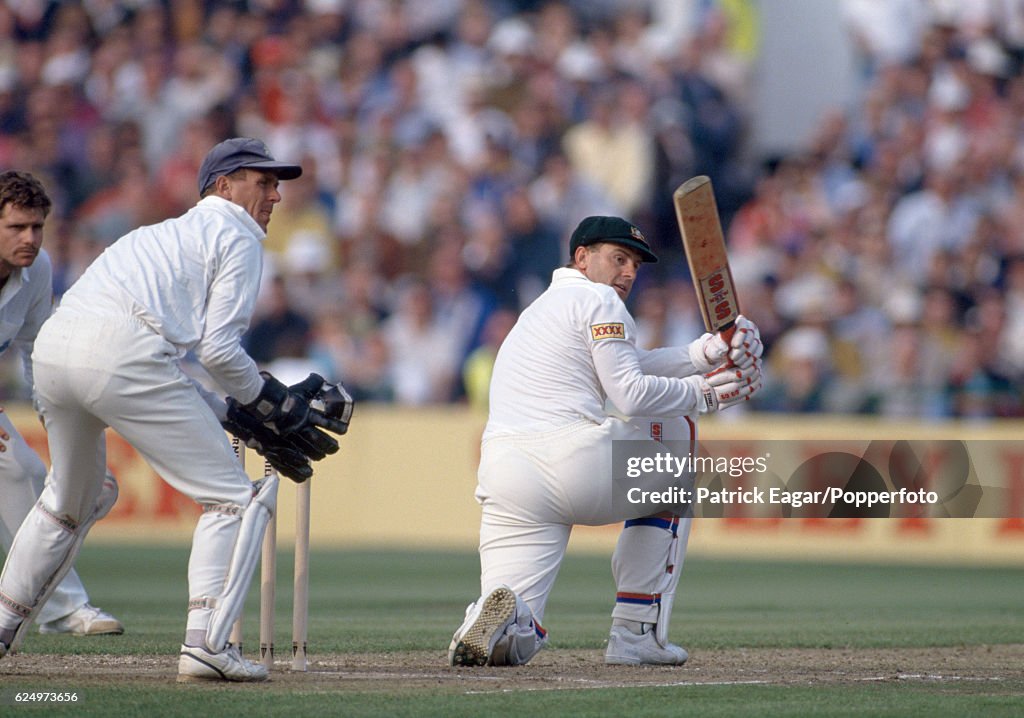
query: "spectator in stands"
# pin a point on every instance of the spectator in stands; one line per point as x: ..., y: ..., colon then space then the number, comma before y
x: 477, y: 130
x: 425, y: 357
x: 279, y: 330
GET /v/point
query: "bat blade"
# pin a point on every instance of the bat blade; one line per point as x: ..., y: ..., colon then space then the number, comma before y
x: 704, y: 244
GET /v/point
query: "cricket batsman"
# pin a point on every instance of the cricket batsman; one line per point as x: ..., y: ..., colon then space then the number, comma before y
x: 546, y: 455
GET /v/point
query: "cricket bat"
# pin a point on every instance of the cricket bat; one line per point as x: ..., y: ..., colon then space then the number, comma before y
x: 704, y: 244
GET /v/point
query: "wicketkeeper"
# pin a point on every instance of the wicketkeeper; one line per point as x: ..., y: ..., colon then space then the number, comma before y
x: 546, y: 458
x: 109, y: 357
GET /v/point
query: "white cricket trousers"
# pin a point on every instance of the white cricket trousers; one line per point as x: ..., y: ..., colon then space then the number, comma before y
x: 117, y: 372
x: 534, y: 488
x: 22, y: 474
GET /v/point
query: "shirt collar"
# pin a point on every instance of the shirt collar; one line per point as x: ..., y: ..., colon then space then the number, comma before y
x: 565, y: 273
x: 15, y: 280
x: 237, y: 211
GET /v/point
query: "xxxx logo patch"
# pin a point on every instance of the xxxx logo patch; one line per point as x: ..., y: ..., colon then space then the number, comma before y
x: 610, y: 330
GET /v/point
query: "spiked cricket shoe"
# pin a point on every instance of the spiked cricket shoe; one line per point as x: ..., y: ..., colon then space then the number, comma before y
x: 485, y: 623
x: 85, y: 621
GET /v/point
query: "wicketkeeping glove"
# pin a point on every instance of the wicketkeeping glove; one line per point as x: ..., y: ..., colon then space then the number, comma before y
x: 330, y: 404
x: 286, y: 433
x: 286, y: 459
x: 286, y: 412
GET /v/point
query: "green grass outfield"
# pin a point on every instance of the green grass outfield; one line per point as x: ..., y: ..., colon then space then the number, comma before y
x: 392, y: 602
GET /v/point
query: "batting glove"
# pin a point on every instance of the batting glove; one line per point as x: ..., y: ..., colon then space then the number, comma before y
x: 729, y: 386
x: 745, y: 349
x: 707, y: 352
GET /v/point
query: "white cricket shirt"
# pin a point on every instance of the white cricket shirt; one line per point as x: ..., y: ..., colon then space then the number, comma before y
x: 571, y: 349
x: 193, y: 279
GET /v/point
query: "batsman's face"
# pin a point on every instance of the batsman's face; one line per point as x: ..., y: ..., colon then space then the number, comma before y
x: 21, y: 236
x: 611, y: 264
x: 255, y: 192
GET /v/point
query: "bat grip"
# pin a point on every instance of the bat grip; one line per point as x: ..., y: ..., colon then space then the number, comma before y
x: 726, y: 334
x: 728, y: 331
x: 727, y: 337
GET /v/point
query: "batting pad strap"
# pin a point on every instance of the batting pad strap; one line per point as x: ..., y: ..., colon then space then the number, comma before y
x: 20, y: 608
x: 63, y: 521
x: 655, y: 522
x: 638, y: 599
x: 224, y: 509
x: 194, y: 604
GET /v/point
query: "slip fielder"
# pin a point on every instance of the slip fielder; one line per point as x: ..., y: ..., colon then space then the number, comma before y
x: 26, y: 300
x: 546, y: 456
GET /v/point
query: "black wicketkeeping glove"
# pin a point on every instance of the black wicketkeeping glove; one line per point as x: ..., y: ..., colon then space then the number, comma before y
x: 286, y: 459
x: 287, y: 413
x: 330, y: 405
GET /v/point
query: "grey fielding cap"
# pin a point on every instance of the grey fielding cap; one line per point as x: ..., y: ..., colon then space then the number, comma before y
x: 239, y: 152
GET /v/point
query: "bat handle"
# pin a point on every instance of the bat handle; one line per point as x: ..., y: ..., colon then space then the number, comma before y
x: 727, y: 337
x: 726, y: 334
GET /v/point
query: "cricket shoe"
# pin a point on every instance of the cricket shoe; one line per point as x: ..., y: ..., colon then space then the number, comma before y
x: 198, y: 664
x: 486, y: 622
x: 85, y: 621
x: 6, y: 639
x: 626, y: 648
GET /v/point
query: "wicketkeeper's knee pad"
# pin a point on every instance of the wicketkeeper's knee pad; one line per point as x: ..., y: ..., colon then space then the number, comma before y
x: 521, y: 641
x: 42, y: 554
x: 228, y: 605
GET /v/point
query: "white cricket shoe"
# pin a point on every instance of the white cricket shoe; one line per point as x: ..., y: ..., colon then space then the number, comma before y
x: 198, y: 664
x: 626, y: 648
x: 85, y: 621
x: 486, y: 622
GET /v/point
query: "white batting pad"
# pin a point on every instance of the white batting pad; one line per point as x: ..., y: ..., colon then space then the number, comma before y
x: 228, y: 605
x: 647, y: 562
x: 43, y: 552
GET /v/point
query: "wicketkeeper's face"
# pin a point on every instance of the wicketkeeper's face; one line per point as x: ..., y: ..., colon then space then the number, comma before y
x: 256, y: 192
x: 611, y: 264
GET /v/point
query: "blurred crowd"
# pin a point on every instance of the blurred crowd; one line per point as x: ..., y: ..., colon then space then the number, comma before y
x: 887, y: 261
x: 451, y: 146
